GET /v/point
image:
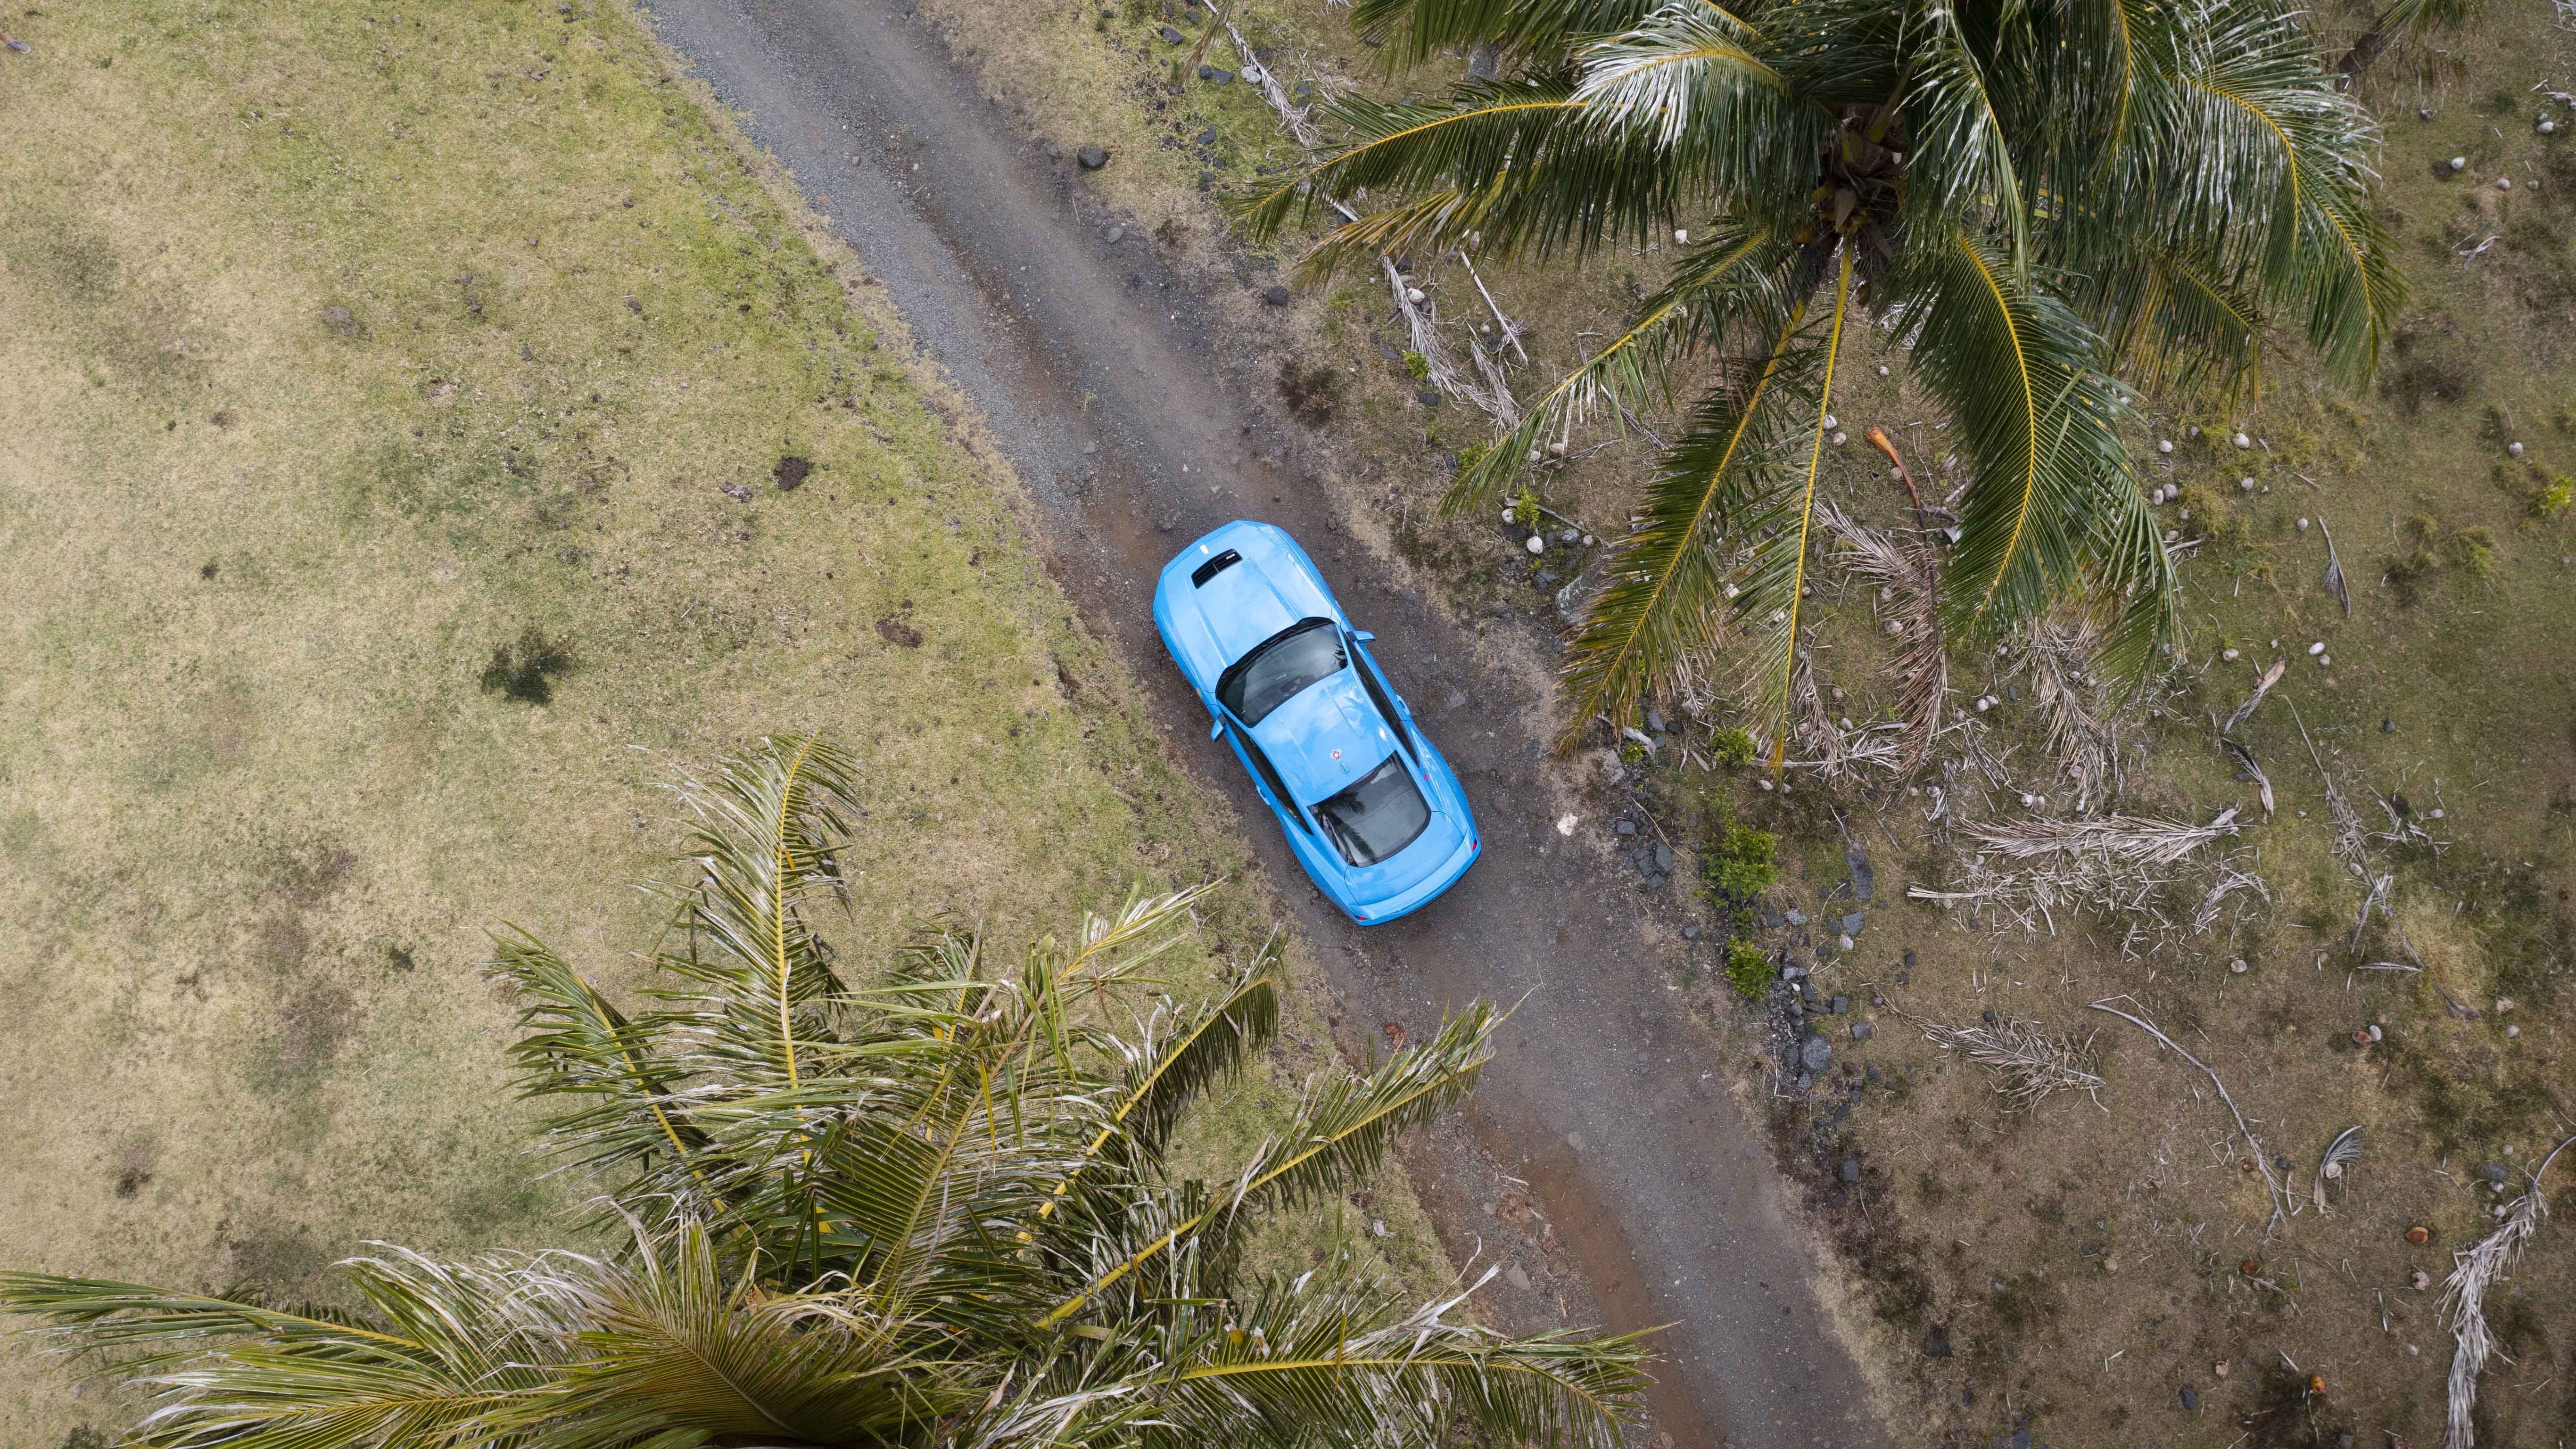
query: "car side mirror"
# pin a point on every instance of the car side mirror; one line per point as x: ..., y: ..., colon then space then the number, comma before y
x: 1365, y: 637
x: 1216, y: 729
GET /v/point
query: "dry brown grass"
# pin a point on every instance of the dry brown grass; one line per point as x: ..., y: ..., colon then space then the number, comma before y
x: 259, y: 803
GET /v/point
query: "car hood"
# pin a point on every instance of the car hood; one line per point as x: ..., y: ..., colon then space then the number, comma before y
x: 1215, y: 624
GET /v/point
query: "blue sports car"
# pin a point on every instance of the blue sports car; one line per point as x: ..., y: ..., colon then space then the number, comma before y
x: 1373, y: 812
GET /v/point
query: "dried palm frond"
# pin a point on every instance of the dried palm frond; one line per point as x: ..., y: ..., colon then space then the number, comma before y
x: 1907, y: 566
x: 2244, y: 759
x: 2344, y: 1150
x: 2230, y: 881
x: 2262, y: 687
x: 2128, y: 838
x: 2464, y: 1296
x: 2349, y: 844
x: 2027, y: 1063
x: 1810, y: 722
x: 2058, y: 656
x: 2115, y: 868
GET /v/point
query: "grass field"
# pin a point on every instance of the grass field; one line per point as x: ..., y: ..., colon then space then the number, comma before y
x: 2084, y: 1267
x: 426, y: 433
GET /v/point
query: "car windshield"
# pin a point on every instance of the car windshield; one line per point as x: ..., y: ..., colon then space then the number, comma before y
x: 1285, y: 663
x: 1379, y: 814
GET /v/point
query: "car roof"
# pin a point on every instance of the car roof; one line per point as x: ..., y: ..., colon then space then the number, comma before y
x: 1324, y: 737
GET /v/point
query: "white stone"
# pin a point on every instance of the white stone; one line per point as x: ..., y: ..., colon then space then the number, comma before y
x: 2437, y: 814
x: 2318, y: 647
x: 2243, y: 441
x: 1830, y: 423
x: 2164, y: 445
x: 1413, y: 294
x: 2459, y: 163
x: 1841, y: 438
x: 1537, y: 544
x: 2237, y: 965
x: 2547, y: 126
x: 1895, y: 626
x: 1981, y: 704
x: 2325, y: 661
x: 1882, y: 369
x: 2245, y: 483
x: 2303, y: 525
x: 2513, y: 450
x: 2504, y: 183
x: 2227, y: 654
x: 1680, y: 235
x: 1565, y: 824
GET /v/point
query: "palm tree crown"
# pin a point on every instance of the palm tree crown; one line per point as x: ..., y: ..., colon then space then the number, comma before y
x: 929, y: 1212
x: 2036, y: 198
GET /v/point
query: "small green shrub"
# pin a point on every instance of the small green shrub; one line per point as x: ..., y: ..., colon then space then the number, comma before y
x: 1632, y: 753
x: 1525, y: 508
x: 1418, y: 365
x: 1749, y: 969
x: 2551, y: 499
x: 1737, y: 866
x: 2472, y: 551
x: 1733, y: 748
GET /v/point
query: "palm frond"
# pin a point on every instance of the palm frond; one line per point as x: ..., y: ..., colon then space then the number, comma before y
x: 1720, y: 282
x: 2051, y: 507
x: 1907, y: 568
x: 574, y: 1042
x: 2280, y: 173
x: 766, y: 827
x: 1718, y: 477
x: 2170, y: 321
x: 1961, y: 171
x: 1781, y: 528
x: 1685, y: 81
x: 1341, y: 1131
x: 1416, y: 30
x: 1297, y: 1365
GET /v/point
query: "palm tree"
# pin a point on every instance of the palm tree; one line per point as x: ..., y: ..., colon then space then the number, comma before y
x: 930, y: 1211
x: 2035, y: 198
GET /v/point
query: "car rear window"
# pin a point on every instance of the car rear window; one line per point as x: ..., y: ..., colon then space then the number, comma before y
x: 1377, y: 815
x: 1280, y: 667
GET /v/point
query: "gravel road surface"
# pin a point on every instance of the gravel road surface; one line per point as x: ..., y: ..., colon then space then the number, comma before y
x: 1106, y: 376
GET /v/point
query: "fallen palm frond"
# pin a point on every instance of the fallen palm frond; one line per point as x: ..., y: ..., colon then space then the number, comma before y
x: 2344, y: 1150
x: 2464, y: 1297
x: 1908, y: 571
x: 2027, y: 1063
x: 1810, y: 722
x: 1422, y: 320
x: 2334, y: 579
x: 2262, y: 687
x: 2126, y: 838
x: 2253, y: 1144
x: 2230, y: 881
x: 2248, y: 770
x: 2058, y: 656
x: 2114, y: 867
x: 2349, y: 844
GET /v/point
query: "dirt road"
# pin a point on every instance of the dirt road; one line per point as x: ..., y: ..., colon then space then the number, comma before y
x: 1096, y: 370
